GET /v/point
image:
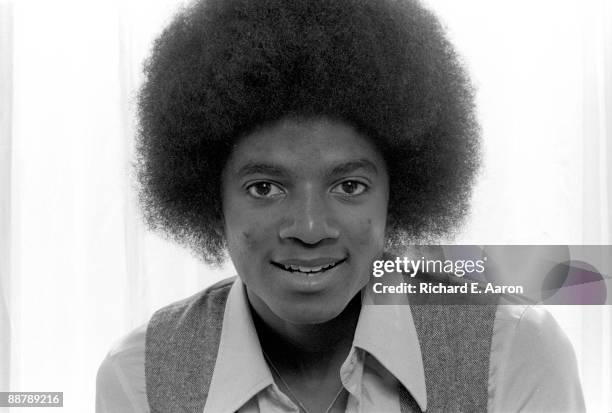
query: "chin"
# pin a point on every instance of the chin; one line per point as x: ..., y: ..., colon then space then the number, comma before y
x: 312, y: 313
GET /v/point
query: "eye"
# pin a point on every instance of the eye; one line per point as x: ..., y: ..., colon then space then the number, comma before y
x: 350, y: 188
x: 264, y: 190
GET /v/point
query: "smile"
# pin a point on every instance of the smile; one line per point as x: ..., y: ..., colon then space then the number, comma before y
x: 305, y: 268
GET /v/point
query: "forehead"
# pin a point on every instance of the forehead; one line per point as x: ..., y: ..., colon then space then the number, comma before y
x: 305, y: 145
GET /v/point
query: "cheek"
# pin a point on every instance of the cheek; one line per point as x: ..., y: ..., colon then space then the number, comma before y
x: 369, y: 233
x: 368, y: 241
x: 246, y: 236
x: 242, y: 239
x: 370, y: 222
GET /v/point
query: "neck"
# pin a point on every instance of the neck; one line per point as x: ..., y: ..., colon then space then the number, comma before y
x: 312, y: 349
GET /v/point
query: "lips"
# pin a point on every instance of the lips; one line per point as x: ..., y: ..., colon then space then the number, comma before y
x: 308, y: 267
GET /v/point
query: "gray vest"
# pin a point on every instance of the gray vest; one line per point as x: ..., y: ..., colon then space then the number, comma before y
x: 182, y: 341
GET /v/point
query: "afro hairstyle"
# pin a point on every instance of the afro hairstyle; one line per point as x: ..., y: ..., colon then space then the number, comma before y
x: 223, y: 68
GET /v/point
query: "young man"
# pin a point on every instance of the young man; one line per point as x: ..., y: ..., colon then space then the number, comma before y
x: 308, y: 138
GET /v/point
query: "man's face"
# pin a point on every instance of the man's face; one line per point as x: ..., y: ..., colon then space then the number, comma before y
x: 305, y: 208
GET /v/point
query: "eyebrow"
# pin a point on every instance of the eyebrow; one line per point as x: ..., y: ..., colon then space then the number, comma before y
x: 253, y: 168
x: 351, y: 166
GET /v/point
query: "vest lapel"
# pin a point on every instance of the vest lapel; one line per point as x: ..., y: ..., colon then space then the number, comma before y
x: 181, y: 347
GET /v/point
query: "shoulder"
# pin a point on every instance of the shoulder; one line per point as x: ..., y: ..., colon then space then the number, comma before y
x: 533, y: 366
x: 207, y: 304
x: 213, y: 294
x: 120, y: 382
x: 532, y: 331
x: 182, y: 342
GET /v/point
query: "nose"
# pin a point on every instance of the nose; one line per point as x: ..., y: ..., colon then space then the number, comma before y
x: 309, y: 219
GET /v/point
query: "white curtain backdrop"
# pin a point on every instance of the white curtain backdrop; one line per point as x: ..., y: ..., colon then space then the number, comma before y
x: 77, y: 268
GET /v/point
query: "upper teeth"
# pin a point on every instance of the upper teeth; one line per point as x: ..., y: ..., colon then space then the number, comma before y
x: 291, y: 267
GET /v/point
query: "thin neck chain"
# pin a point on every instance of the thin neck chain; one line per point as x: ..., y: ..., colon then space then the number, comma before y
x: 292, y: 394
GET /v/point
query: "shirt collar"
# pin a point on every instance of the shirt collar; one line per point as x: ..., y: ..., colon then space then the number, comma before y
x: 386, y: 332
